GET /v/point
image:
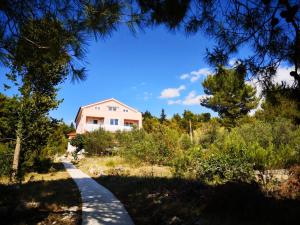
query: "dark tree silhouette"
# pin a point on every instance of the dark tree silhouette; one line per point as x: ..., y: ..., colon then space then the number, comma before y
x: 163, y: 116
x: 270, y: 27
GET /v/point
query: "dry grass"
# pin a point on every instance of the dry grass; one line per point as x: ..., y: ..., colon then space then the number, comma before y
x: 50, y: 198
x: 152, y: 196
x: 109, y: 165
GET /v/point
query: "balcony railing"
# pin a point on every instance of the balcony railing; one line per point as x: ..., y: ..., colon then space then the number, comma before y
x: 93, y: 127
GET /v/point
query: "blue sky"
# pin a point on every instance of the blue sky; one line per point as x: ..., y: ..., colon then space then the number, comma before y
x: 153, y: 70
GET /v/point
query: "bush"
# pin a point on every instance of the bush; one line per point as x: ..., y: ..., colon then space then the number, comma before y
x: 57, y: 143
x: 267, y: 145
x: 99, y: 142
x: 138, y: 146
x: 185, y: 142
x: 207, y: 133
x: 223, y: 166
x: 158, y: 147
x: 184, y: 163
x: 42, y: 164
x: 6, y: 158
x: 167, y: 144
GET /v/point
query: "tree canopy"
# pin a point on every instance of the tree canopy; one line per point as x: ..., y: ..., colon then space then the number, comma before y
x: 229, y: 95
x: 42, y: 42
x: 270, y: 27
x: 76, y: 19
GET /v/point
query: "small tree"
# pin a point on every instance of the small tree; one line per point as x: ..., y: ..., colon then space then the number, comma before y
x: 147, y: 115
x: 229, y: 95
x: 163, y: 116
x: 72, y: 127
x: 79, y: 142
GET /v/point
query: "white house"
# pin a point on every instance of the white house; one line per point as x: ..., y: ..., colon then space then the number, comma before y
x: 109, y: 114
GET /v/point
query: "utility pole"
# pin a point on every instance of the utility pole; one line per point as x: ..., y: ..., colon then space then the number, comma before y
x: 191, y: 131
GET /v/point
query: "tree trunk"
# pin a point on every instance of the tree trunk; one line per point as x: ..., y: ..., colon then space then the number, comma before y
x: 191, y: 131
x: 17, y: 154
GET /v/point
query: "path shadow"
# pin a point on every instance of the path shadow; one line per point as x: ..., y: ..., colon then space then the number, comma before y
x: 158, y: 201
x: 40, y: 201
x: 150, y: 200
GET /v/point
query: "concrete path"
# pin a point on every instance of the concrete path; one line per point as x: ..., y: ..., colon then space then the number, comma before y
x: 99, y: 205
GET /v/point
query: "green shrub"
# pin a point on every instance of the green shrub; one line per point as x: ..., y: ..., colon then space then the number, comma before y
x: 223, y: 166
x: 99, y: 142
x: 138, y: 146
x: 267, y: 145
x: 207, y: 133
x: 42, y: 164
x: 57, y: 143
x: 167, y: 144
x: 184, y: 163
x: 6, y: 157
x: 158, y: 147
x: 185, y: 142
x: 79, y: 142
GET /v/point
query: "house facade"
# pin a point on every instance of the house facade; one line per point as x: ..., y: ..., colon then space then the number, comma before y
x: 109, y: 114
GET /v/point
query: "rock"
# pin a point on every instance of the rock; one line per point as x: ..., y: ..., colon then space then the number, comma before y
x: 175, y: 220
x: 32, y: 205
x: 81, y: 156
x: 73, y: 208
x: 272, y: 175
x: 64, y: 208
x: 96, y: 171
x: 67, y: 217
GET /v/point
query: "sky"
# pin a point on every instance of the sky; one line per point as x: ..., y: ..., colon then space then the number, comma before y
x: 151, y: 70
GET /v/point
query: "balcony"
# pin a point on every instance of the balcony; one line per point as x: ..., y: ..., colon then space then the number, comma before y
x: 107, y: 127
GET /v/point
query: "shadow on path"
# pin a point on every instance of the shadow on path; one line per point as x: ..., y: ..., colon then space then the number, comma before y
x: 160, y: 201
x: 99, y: 205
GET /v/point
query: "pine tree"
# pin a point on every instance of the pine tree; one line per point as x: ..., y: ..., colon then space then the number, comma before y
x: 163, y: 116
x: 260, y: 25
x: 147, y: 115
x: 72, y: 127
x: 229, y: 95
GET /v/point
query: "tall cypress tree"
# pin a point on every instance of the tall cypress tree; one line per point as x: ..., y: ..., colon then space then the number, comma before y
x: 163, y: 116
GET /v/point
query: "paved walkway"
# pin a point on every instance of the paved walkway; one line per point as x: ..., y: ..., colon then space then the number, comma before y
x: 99, y: 205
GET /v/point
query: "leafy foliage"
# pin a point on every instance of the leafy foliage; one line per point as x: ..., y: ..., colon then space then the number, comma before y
x: 41, y: 43
x: 58, y: 141
x: 220, y: 167
x: 158, y: 147
x: 78, y: 141
x: 99, y: 142
x: 8, y: 117
x: 267, y: 145
x: 279, y: 102
x: 6, y: 155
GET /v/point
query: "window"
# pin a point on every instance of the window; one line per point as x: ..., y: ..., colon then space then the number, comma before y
x: 97, y: 107
x: 128, y: 124
x: 114, y: 121
x: 125, y: 110
x: 95, y: 121
x: 112, y: 108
